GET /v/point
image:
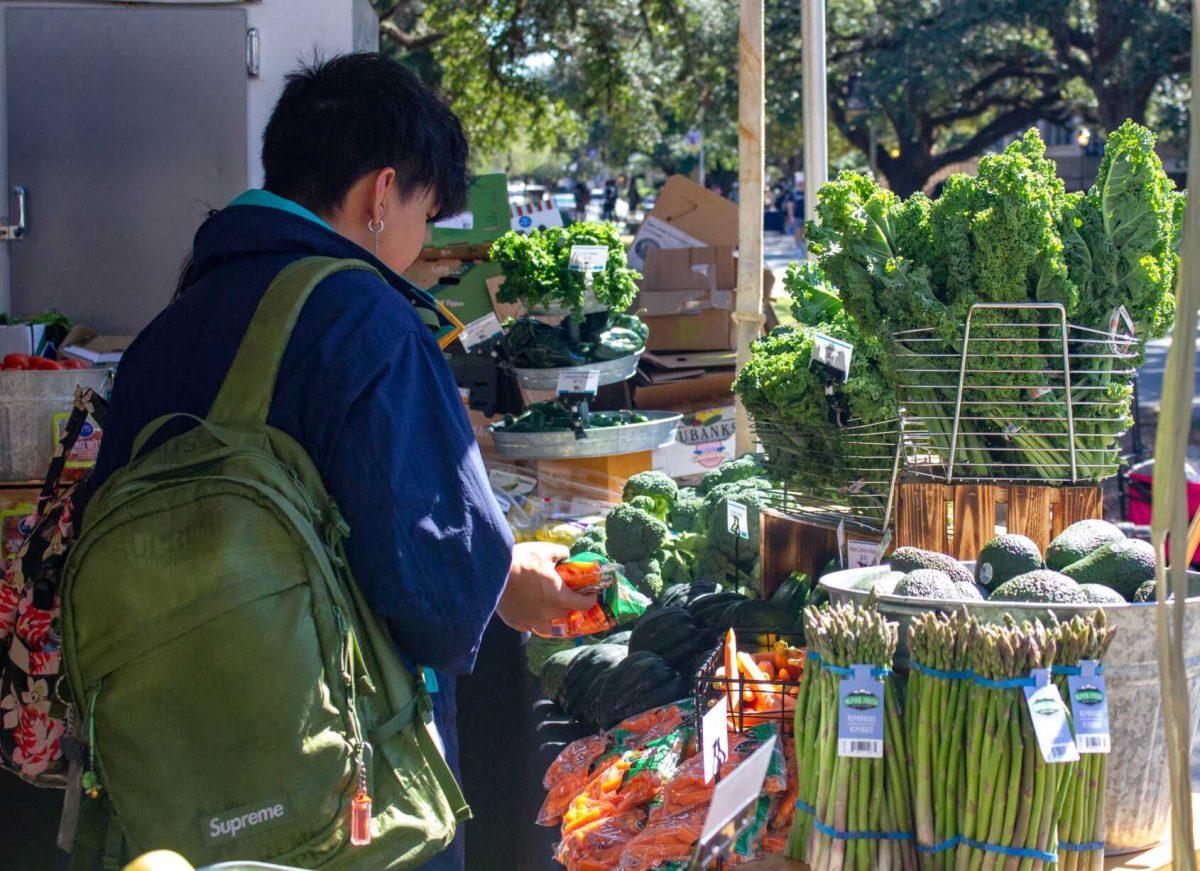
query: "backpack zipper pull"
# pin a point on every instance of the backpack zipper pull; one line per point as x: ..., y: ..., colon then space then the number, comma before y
x: 90, y: 781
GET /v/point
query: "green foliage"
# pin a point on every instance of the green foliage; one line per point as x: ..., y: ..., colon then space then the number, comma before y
x: 537, y: 269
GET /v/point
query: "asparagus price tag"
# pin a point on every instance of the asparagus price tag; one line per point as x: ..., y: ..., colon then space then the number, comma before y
x: 1049, y: 716
x: 583, y: 382
x: 737, y: 520
x: 714, y: 737
x: 860, y: 714
x: 1089, y: 707
x: 737, y: 791
x: 861, y: 554
x: 588, y: 258
x: 479, y: 331
x: 831, y: 357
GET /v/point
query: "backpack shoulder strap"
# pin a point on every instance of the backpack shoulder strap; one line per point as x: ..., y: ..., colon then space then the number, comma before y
x: 245, y: 395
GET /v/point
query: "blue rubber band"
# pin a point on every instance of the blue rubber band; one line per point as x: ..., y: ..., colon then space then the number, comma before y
x: 844, y: 671
x: 861, y: 836
x: 940, y: 848
x: 1010, y: 684
x: 806, y: 807
x: 939, y: 673
x: 809, y: 654
x: 1022, y: 852
x: 1081, y: 848
x: 1073, y: 670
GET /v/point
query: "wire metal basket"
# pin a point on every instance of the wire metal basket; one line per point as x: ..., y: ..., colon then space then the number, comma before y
x: 1020, y: 395
x: 780, y: 695
x: 847, y: 471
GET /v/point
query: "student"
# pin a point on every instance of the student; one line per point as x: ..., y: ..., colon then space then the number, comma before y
x: 358, y: 156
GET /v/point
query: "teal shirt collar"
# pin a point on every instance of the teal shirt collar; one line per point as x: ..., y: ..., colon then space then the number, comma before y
x: 260, y: 197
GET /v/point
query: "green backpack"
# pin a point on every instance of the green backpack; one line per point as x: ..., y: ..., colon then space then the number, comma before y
x: 232, y: 687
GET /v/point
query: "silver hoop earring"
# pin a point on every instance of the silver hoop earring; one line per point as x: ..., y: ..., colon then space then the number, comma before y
x: 375, y: 227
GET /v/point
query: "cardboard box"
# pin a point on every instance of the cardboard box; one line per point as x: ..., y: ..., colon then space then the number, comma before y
x: 688, y: 298
x: 685, y: 215
x: 704, y: 390
x: 485, y: 220
x: 22, y: 338
x: 703, y: 441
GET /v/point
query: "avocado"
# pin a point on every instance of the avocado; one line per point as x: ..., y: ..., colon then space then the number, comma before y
x: 1005, y: 557
x: 1123, y: 565
x: 909, y: 559
x: 1078, y: 540
x: 1040, y: 585
x: 885, y: 585
x: 926, y: 584
x: 969, y: 592
x: 1098, y: 594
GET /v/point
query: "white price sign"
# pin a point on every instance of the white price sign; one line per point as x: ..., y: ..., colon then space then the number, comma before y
x: 714, y: 737
x: 579, y: 381
x: 833, y: 353
x: 737, y: 791
x: 861, y: 554
x: 588, y: 258
x: 737, y: 519
x: 480, y: 330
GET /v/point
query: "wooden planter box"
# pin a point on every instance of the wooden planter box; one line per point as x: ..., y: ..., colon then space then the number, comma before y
x: 794, y: 544
x: 958, y: 519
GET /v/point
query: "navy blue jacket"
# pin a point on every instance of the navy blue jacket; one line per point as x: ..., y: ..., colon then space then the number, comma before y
x: 365, y: 390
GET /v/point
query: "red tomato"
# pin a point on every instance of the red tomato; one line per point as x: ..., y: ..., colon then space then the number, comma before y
x: 15, y: 361
x: 75, y: 364
x: 44, y: 363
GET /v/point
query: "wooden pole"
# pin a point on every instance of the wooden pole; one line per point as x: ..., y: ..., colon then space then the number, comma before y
x: 1169, y: 515
x: 816, y: 149
x: 749, y: 317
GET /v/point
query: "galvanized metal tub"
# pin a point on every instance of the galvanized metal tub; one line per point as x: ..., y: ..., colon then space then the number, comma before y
x: 1137, y: 803
x: 657, y: 432
x: 29, y: 402
x: 610, y: 372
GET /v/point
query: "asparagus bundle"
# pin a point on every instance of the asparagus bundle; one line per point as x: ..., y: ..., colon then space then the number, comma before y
x: 1081, y: 799
x: 1011, y: 791
x: 854, y: 796
x: 935, y: 713
x: 808, y: 743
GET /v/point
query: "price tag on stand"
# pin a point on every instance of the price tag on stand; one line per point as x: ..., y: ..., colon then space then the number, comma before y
x: 588, y: 258
x: 714, y: 737
x: 480, y: 330
x: 1049, y: 717
x: 737, y: 519
x: 1089, y: 708
x: 734, y: 794
x: 582, y: 382
x: 841, y: 542
x: 860, y: 714
x: 861, y: 554
x: 831, y: 357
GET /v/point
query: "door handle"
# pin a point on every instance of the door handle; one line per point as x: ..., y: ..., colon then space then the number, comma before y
x: 13, y: 232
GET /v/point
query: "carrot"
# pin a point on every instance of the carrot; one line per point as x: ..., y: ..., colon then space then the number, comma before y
x: 732, y: 660
x: 767, y: 665
x: 750, y: 668
x: 783, y: 674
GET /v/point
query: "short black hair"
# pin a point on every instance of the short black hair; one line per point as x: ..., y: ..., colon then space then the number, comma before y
x: 341, y: 118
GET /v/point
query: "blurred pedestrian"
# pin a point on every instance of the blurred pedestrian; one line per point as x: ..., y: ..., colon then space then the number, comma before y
x: 634, y: 196
x: 582, y: 197
x: 610, y: 200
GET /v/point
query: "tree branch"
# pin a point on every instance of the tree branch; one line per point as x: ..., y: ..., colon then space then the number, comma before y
x: 408, y: 41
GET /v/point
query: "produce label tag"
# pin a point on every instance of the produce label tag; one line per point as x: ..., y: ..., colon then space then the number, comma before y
x: 583, y: 382
x: 480, y: 330
x: 831, y: 357
x: 737, y: 520
x: 714, y: 737
x: 1089, y: 707
x: 735, y: 793
x: 862, y: 554
x: 588, y: 258
x: 1049, y: 717
x: 841, y: 542
x: 860, y: 714
x: 1120, y: 324
x: 87, y: 446
x: 511, y: 483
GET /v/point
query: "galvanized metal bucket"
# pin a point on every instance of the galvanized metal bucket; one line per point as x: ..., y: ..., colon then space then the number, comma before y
x: 657, y: 431
x: 29, y: 403
x: 1137, y: 803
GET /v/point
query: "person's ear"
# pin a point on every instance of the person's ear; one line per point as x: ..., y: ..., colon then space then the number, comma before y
x: 384, y: 179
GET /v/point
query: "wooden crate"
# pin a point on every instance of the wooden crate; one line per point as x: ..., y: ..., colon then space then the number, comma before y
x: 958, y: 519
x: 599, y: 478
x: 793, y: 544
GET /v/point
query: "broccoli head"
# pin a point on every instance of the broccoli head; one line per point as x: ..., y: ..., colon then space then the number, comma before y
x: 745, y: 466
x: 646, y: 575
x: 592, y: 541
x: 634, y: 534
x: 687, y: 514
x: 657, y: 487
x: 745, y: 550
x: 645, y: 503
